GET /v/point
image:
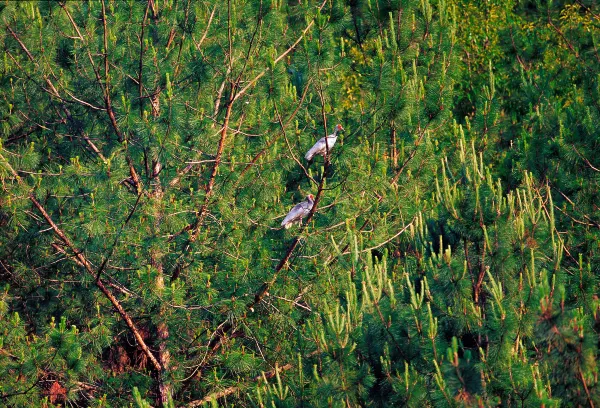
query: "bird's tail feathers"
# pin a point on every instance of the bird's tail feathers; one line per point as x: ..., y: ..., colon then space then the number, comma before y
x: 310, y: 154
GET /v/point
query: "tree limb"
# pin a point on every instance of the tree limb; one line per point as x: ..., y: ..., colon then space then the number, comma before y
x: 116, y: 304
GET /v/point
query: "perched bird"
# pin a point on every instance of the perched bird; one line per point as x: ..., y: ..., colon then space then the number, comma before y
x: 299, y: 211
x: 320, y: 148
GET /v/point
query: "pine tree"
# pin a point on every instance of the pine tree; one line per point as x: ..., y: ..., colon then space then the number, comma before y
x: 150, y: 149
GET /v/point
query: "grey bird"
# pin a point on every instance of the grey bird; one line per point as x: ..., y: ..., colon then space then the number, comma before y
x: 299, y: 211
x: 320, y: 148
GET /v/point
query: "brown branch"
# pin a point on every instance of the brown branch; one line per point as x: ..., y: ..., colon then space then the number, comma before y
x: 521, y: 62
x: 62, y: 5
x: 120, y: 289
x: 410, y: 157
x: 24, y: 48
x: 585, y: 387
x: 141, y: 63
x: 211, y: 182
x: 177, y: 70
x: 54, y: 92
x: 256, y: 78
x: 86, y: 264
x: 584, y: 159
x: 482, y: 270
x: 181, y: 173
x: 282, y: 126
x: 275, y: 138
x: 212, y: 14
x: 220, y: 94
x: 107, y: 100
x: 201, y: 213
x: 561, y: 34
x: 9, y: 167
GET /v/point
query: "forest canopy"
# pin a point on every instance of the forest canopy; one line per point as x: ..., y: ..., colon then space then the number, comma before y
x: 299, y: 203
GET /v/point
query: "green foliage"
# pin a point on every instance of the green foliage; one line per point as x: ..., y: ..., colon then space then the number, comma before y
x: 150, y: 149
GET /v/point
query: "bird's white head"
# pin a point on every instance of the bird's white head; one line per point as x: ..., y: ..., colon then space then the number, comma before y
x: 310, y: 197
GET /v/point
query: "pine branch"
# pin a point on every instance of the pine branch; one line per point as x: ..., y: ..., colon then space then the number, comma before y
x: 561, y: 34
x: 210, y: 19
x: 54, y: 92
x: 298, y: 162
x: 141, y: 61
x: 116, y: 304
x: 202, y: 212
x: 276, y: 137
x: 584, y: 159
x: 279, y: 58
x: 211, y: 182
x: 482, y: 271
x: 7, y: 165
x: 107, y: 98
x: 585, y: 387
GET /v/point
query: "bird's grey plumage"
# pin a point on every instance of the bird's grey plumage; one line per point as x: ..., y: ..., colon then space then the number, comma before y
x: 324, y: 144
x: 299, y: 211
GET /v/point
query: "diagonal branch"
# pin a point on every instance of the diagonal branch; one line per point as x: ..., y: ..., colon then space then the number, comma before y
x: 226, y: 326
x: 213, y: 174
x: 86, y: 264
x: 276, y: 137
x: 282, y: 56
x: 107, y: 100
x: 210, y: 19
x: 201, y: 214
x: 54, y: 92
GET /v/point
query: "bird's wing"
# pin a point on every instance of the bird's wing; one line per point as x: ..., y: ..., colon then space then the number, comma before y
x: 316, y: 149
x: 331, y: 139
x: 295, y: 214
x: 307, y: 206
